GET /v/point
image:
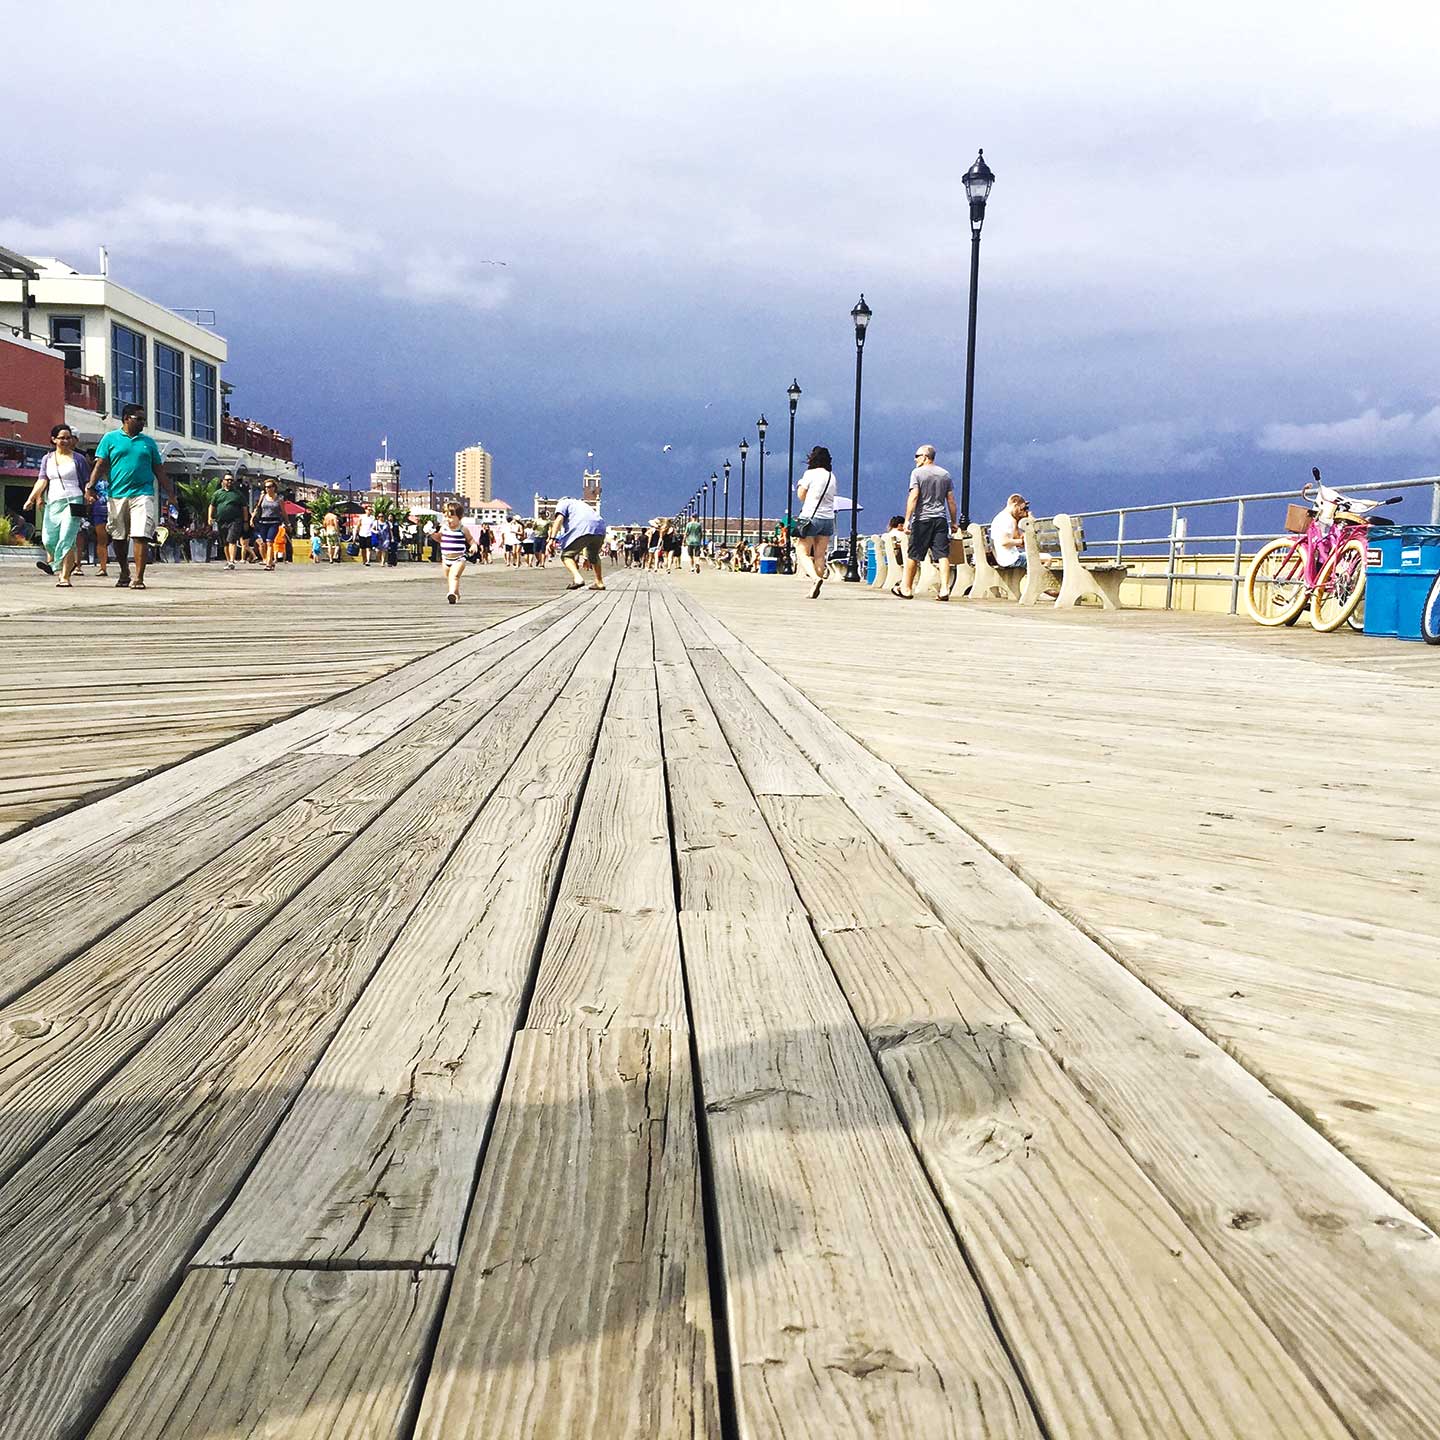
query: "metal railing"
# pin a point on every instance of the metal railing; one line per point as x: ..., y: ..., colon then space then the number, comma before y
x: 1173, y: 540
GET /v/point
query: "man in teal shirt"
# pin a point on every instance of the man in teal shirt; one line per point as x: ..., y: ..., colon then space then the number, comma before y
x: 694, y: 538
x: 130, y: 461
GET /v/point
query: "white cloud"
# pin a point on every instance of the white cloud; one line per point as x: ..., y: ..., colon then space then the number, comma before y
x: 1369, y: 433
x: 256, y: 237
x: 1148, y: 448
x: 247, y: 235
x: 431, y: 279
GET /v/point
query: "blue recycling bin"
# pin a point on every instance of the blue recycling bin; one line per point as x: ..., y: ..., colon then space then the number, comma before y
x: 872, y: 560
x: 1402, y: 562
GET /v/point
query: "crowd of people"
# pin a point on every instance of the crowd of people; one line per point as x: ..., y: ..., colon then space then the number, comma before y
x: 925, y: 529
x: 115, y: 505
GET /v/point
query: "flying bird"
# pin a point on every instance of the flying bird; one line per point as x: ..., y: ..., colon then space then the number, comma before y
x: 666, y: 449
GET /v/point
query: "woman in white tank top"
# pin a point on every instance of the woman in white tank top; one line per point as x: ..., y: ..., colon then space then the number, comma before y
x: 63, y: 476
x: 816, y: 522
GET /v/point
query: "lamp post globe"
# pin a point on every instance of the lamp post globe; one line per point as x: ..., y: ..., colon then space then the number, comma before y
x: 762, y: 426
x: 861, y: 316
x: 979, y: 180
x: 793, y: 395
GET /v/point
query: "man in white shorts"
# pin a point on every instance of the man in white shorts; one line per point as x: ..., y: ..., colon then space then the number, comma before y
x: 130, y: 463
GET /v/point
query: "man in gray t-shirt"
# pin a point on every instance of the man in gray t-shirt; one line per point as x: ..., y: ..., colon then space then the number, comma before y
x: 929, y: 516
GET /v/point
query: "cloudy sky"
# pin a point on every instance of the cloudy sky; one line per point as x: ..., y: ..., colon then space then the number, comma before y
x: 1208, y: 262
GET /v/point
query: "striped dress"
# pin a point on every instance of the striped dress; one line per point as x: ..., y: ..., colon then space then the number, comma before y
x: 452, y: 544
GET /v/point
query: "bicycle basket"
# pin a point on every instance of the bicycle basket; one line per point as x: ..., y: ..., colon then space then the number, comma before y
x: 1297, y: 518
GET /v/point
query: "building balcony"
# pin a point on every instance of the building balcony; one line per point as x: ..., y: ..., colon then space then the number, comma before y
x: 259, y: 439
x: 85, y: 391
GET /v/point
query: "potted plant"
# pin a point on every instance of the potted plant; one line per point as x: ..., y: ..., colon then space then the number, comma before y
x: 195, y: 498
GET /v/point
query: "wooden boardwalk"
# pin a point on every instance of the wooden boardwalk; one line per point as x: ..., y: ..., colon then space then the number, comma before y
x: 597, y: 1039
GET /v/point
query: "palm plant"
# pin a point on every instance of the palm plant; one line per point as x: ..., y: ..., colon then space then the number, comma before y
x: 195, y: 498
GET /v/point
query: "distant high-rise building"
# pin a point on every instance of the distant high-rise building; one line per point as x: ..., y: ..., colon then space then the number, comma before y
x: 590, y: 488
x: 472, y: 474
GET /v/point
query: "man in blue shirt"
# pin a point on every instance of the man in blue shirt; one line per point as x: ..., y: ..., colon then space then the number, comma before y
x: 581, y: 532
x: 130, y: 462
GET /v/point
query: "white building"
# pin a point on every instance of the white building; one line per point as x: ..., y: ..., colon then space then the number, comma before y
x: 385, y: 478
x: 497, y: 512
x: 119, y: 349
x: 473, y: 480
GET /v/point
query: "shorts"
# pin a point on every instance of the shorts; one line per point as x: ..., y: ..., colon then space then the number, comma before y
x: 232, y: 532
x: 814, y: 527
x: 131, y: 518
x: 586, y: 546
x: 363, y: 541
x: 266, y: 531
x: 930, y: 539
x: 100, y: 513
x: 693, y: 550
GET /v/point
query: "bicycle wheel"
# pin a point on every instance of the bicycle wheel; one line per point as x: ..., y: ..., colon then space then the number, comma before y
x: 1340, y: 588
x: 1430, y: 615
x: 1275, y: 583
x: 1356, y: 618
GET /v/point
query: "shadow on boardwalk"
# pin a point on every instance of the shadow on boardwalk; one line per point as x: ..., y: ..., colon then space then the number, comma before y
x: 583, y: 1277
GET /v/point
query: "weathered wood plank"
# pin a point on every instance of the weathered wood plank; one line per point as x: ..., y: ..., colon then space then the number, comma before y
x: 75, y: 840
x: 771, y: 762
x: 61, y: 1038
x: 96, y: 1225
x: 375, y: 1162
x: 1163, y: 1343
x: 723, y: 850
x: 851, y: 1311
x: 307, y: 1354
x: 586, y: 1223
x: 1345, y: 1277
x: 638, y: 652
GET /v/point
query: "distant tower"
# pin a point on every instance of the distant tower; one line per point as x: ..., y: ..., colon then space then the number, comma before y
x: 472, y: 474
x: 385, y: 478
x: 590, y: 488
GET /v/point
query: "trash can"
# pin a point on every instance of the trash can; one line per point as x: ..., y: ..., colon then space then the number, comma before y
x: 872, y: 560
x: 1401, y: 564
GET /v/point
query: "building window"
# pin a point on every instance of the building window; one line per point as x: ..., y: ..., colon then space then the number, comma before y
x: 169, y: 389
x: 202, y: 400
x: 127, y: 369
x: 67, y: 335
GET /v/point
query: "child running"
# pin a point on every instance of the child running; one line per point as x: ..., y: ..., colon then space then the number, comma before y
x: 453, y: 544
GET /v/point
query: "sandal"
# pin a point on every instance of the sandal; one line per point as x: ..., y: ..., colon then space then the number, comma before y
x: 578, y: 585
x: 137, y: 584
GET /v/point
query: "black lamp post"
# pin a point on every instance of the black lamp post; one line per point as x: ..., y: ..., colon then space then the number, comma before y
x: 978, y: 180
x: 794, y: 396
x: 861, y: 316
x: 430, y: 481
x: 744, y: 451
x: 725, y: 517
x: 710, y: 530
x: 761, y: 426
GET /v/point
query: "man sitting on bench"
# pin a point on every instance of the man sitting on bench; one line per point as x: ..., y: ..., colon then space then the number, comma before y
x: 1005, y: 538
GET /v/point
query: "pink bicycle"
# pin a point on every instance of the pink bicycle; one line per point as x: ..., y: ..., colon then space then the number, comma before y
x: 1320, y: 563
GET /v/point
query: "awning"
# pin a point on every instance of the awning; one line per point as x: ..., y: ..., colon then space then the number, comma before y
x: 291, y: 508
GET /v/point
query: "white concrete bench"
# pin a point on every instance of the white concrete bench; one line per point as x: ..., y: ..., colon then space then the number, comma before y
x: 1086, y: 579
x: 1043, y: 560
x: 990, y: 580
x: 1053, y: 546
